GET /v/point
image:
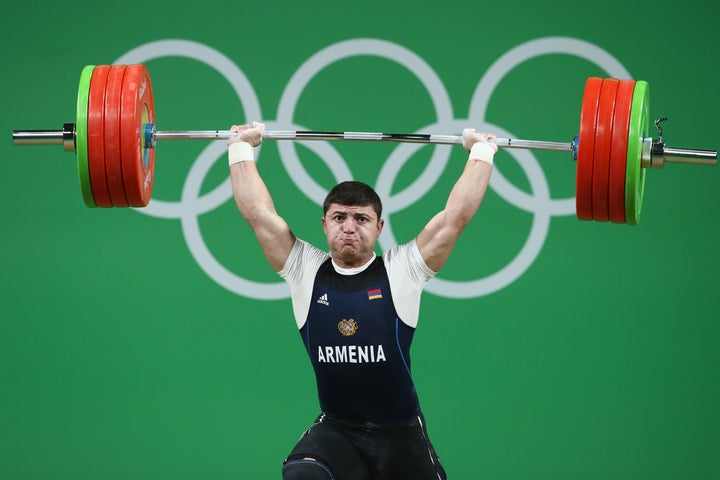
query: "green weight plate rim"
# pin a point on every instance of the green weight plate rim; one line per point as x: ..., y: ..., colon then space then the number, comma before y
x: 637, y: 131
x: 81, y: 135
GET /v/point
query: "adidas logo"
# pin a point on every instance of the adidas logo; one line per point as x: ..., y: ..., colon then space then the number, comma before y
x: 323, y: 299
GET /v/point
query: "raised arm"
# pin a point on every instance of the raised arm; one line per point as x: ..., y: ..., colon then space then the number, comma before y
x: 438, y: 238
x: 253, y: 198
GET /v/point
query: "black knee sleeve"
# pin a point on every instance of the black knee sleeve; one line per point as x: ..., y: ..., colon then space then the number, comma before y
x: 301, y: 469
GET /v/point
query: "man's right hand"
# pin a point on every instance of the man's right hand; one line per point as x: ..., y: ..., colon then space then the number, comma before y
x: 470, y: 137
x: 251, y: 134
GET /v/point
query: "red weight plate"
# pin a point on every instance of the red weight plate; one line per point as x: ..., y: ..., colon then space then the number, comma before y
x: 586, y: 147
x: 113, y: 164
x: 96, y: 138
x: 618, y: 154
x: 136, y: 111
x: 603, y: 146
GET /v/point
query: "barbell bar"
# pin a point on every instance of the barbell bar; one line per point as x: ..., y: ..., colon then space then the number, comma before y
x: 114, y: 137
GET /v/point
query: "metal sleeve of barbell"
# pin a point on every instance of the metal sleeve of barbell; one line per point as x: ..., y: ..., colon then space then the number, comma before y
x: 64, y: 137
x: 37, y: 137
x: 689, y: 155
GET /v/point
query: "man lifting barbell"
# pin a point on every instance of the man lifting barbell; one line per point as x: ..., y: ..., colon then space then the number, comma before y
x: 357, y: 314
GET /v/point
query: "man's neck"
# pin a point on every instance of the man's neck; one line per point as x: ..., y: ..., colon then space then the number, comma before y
x: 353, y: 268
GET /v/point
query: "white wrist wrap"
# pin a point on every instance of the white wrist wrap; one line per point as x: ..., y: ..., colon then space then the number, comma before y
x: 240, y: 152
x: 483, y: 152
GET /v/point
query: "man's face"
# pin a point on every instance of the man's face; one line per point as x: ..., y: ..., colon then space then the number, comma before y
x: 351, y: 233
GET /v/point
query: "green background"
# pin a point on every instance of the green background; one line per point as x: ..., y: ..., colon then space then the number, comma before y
x: 121, y: 358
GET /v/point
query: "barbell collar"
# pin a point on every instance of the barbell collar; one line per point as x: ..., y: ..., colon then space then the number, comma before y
x: 69, y: 137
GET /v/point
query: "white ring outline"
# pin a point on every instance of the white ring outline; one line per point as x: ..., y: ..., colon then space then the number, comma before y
x: 501, y: 67
x: 198, y: 205
x: 540, y: 203
x: 241, y: 85
x: 394, y: 203
x: 347, y: 49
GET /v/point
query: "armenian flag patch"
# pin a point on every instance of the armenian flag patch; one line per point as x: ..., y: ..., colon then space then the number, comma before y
x: 374, y: 294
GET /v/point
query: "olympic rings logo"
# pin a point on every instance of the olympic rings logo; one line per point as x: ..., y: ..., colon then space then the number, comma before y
x: 539, y: 203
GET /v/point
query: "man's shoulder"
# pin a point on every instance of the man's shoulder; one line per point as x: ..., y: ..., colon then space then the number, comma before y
x: 303, y: 256
x: 401, y: 252
x: 307, y: 249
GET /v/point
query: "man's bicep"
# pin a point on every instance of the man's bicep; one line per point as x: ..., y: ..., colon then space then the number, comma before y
x: 436, y: 241
x: 276, y: 240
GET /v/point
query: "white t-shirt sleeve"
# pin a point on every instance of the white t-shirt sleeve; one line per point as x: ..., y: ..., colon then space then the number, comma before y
x: 299, y: 272
x: 408, y: 274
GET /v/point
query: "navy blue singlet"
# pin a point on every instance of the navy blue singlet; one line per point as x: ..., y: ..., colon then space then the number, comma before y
x: 359, y: 347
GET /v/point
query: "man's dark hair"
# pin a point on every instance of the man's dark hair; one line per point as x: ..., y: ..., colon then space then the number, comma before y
x: 353, y: 193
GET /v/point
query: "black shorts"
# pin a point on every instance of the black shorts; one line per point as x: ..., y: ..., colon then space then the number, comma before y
x: 370, y: 452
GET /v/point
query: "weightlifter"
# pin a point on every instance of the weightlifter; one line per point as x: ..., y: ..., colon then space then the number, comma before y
x: 357, y: 313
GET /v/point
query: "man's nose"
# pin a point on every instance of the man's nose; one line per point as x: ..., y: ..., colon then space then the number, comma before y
x: 348, y: 225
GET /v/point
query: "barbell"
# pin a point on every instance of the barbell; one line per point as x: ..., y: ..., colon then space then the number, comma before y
x: 114, y: 138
